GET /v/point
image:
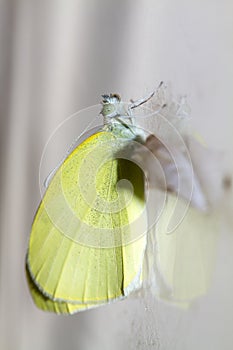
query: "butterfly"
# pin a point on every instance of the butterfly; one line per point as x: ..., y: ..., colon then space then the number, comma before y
x: 101, y: 228
x: 88, y: 237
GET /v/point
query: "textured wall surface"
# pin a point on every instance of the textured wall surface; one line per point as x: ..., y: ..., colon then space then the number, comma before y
x: 57, y: 57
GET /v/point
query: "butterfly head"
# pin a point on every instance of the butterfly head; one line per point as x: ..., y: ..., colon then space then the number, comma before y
x: 111, y: 105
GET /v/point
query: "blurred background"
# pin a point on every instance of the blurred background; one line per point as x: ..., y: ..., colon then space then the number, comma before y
x: 58, y: 57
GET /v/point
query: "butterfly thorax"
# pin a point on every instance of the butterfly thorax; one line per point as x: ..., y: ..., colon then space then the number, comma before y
x: 118, y: 118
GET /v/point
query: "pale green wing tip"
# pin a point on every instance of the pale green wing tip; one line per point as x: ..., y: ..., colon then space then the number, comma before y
x: 46, y: 304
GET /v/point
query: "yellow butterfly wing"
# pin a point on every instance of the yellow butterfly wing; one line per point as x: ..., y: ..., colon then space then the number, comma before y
x: 89, y: 235
x: 48, y: 304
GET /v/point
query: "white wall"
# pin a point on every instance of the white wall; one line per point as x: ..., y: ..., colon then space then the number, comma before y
x: 57, y: 57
